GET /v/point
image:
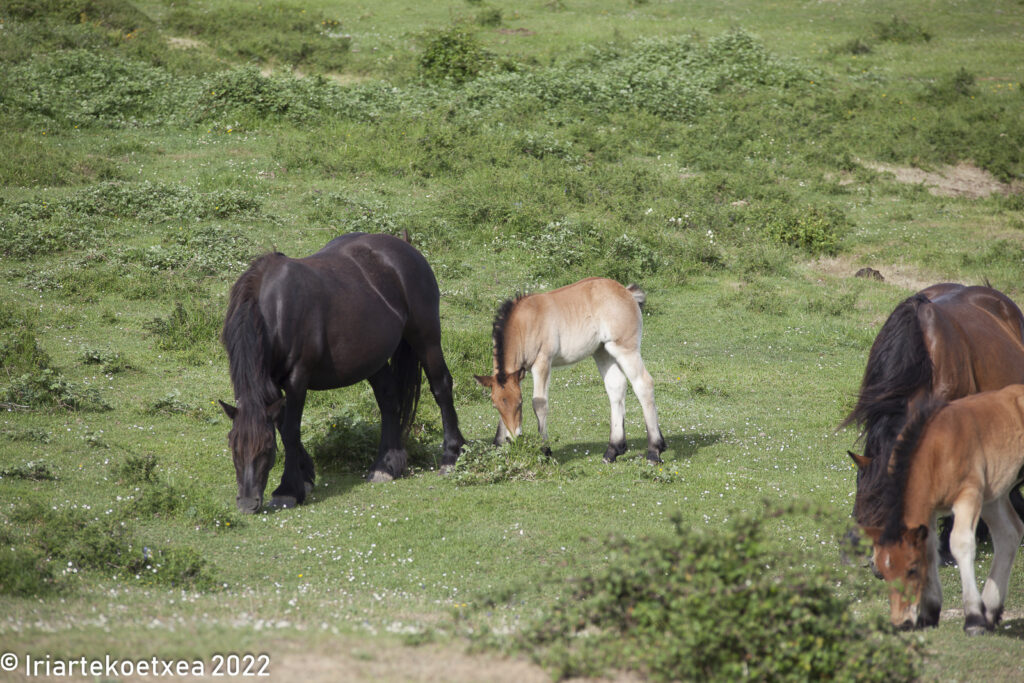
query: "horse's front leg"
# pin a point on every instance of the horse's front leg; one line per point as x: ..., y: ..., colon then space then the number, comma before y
x: 1007, y: 530
x: 931, y: 599
x: 962, y: 545
x: 541, y: 372
x: 299, y: 473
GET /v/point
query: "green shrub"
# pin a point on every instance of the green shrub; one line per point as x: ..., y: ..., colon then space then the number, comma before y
x: 712, y: 605
x: 76, y: 540
x: 24, y: 572
x: 631, y: 258
x: 815, y: 230
x: 900, y: 30
x: 452, y: 54
x: 31, y: 382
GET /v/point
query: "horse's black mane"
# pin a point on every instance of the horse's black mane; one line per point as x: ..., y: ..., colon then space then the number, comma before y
x: 898, y: 368
x: 498, y: 335
x: 901, y: 459
x: 245, y: 338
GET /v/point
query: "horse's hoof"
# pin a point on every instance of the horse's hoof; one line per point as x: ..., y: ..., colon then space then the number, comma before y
x: 308, y: 486
x: 546, y: 450
x: 379, y: 476
x: 654, y: 458
x: 284, y: 502
x: 976, y: 625
x: 445, y: 470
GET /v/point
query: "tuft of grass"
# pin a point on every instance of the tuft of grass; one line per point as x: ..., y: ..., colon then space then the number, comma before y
x: 521, y: 460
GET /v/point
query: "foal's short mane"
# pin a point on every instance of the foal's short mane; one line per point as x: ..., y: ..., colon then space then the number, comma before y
x: 245, y: 337
x: 498, y: 335
x: 900, y: 462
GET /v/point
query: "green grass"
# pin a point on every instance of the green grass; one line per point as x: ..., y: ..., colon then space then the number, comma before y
x: 722, y: 155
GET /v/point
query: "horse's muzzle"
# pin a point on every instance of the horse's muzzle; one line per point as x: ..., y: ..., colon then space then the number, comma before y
x: 249, y: 505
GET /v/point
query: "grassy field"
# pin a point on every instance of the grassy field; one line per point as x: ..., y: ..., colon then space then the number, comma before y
x: 740, y: 160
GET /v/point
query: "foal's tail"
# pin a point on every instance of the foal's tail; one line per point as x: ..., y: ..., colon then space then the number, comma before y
x: 406, y: 370
x: 638, y: 294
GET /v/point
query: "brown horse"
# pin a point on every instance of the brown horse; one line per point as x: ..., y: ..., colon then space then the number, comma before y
x: 946, y: 341
x: 963, y: 457
x: 363, y: 307
x: 593, y: 317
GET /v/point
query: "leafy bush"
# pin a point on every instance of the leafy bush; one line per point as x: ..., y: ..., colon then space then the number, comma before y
x: 816, y: 230
x: 900, y: 30
x: 454, y: 55
x: 712, y: 605
x: 631, y: 258
x: 75, y: 540
x: 31, y: 381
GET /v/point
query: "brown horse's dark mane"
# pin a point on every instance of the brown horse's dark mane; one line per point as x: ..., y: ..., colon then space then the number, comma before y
x: 498, y: 335
x: 899, y: 368
x: 244, y: 337
x: 900, y: 462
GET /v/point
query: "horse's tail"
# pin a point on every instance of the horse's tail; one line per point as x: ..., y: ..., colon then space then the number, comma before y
x: 246, y: 341
x: 406, y: 370
x: 638, y: 294
x: 898, y: 368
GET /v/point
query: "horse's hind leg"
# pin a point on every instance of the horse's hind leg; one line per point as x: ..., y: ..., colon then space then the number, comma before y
x: 391, y: 456
x: 643, y: 386
x: 615, y: 386
x: 298, y: 476
x: 1007, y: 530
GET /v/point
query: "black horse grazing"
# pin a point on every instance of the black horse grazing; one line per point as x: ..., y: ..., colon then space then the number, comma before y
x: 363, y: 307
x: 947, y: 341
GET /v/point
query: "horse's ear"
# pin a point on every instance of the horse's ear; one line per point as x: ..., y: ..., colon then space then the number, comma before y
x: 873, y: 532
x: 520, y: 374
x: 229, y: 410
x: 485, y: 380
x: 274, y: 409
x: 861, y: 460
x: 919, y: 535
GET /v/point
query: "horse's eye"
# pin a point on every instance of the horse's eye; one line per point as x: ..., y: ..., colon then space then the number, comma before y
x: 912, y: 573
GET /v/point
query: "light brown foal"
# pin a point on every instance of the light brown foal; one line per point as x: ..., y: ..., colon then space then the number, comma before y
x: 593, y: 317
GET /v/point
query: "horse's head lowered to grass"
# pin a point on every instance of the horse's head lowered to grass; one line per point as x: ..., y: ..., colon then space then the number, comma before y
x: 253, y: 444
x: 904, y: 564
x: 507, y: 397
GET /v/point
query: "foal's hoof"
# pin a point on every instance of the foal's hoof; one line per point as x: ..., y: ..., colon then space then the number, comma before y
x: 546, y: 450
x: 975, y: 625
x: 445, y: 470
x: 654, y: 458
x: 379, y: 477
x: 284, y: 502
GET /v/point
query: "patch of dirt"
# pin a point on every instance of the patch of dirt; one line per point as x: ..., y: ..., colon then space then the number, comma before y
x: 901, y: 275
x: 184, y: 43
x: 962, y: 180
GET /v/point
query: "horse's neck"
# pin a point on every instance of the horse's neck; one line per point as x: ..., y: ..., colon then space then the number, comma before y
x: 921, y: 498
x: 521, y: 347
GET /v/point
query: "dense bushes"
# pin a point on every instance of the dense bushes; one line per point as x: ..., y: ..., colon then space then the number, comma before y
x: 711, y: 605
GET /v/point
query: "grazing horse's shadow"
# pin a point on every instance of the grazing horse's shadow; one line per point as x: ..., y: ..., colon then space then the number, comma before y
x: 1011, y: 628
x: 681, y: 447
